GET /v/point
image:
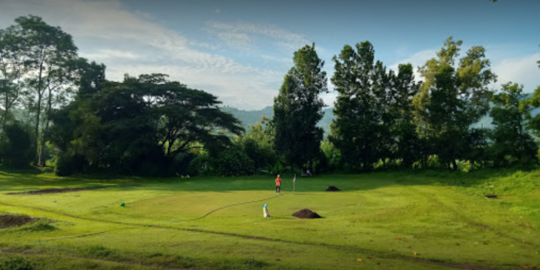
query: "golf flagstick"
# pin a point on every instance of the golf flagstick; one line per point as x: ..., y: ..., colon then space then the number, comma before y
x: 294, y: 182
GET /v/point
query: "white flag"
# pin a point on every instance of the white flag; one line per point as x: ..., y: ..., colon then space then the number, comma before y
x: 294, y: 179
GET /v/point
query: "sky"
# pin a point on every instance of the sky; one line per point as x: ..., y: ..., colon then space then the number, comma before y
x: 241, y: 50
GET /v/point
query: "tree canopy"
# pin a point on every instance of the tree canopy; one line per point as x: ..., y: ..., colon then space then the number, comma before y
x: 297, y: 108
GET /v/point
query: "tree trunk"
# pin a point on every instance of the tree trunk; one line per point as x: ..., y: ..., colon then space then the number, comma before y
x: 454, y: 164
x: 38, y: 111
x: 42, y: 143
x: 4, y: 122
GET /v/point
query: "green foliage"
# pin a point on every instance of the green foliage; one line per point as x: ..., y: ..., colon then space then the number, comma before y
x: 332, y: 154
x: 451, y: 99
x: 511, y: 142
x: 261, y: 156
x: 45, y: 54
x: 534, y: 122
x: 180, y: 164
x: 263, y: 132
x: 67, y: 164
x: 407, y: 146
x: 371, y: 109
x: 202, y: 165
x: 17, y: 147
x: 234, y: 162
x: 140, y: 125
x: 16, y: 263
x: 297, y: 108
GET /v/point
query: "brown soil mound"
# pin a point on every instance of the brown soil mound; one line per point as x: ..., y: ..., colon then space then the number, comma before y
x: 332, y: 188
x: 306, y: 213
x: 7, y: 221
x: 52, y: 190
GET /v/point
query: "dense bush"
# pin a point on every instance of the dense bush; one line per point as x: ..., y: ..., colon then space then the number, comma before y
x: 67, y: 164
x: 181, y: 164
x: 17, y: 146
x: 262, y: 156
x: 201, y: 165
x: 234, y: 162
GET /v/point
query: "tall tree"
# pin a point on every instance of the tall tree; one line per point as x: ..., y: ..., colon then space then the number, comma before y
x: 358, y: 129
x: 509, y: 136
x: 12, y: 71
x: 534, y: 101
x: 452, y: 98
x: 46, y: 52
x: 403, y: 130
x: 298, y: 108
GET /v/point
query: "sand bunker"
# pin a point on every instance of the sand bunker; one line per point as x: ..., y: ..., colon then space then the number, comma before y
x: 332, y: 188
x: 306, y: 213
x: 7, y: 221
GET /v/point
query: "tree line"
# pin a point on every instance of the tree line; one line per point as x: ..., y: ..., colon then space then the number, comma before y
x: 59, y: 111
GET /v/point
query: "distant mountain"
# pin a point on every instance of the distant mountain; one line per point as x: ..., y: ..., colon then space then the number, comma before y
x: 251, y: 117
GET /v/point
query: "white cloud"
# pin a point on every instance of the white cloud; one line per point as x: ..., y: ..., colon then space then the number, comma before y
x: 283, y: 38
x: 237, y: 40
x: 107, y: 54
x: 416, y: 60
x: 522, y: 70
x: 134, y: 43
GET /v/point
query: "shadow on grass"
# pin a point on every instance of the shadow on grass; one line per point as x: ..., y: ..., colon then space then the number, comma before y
x: 26, y: 180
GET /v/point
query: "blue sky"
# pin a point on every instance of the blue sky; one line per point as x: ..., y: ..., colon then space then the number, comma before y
x: 240, y: 50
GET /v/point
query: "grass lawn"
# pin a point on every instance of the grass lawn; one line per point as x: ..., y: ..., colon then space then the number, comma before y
x: 385, y: 220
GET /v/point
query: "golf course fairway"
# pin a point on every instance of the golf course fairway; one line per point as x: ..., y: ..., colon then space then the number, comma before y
x: 384, y: 220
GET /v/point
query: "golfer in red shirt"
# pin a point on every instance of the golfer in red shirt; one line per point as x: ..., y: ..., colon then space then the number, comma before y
x: 278, y: 184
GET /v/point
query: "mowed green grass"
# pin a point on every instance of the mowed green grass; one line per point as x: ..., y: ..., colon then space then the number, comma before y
x: 386, y: 220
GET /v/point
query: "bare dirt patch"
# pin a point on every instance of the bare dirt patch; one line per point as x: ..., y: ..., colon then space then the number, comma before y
x: 306, y: 213
x: 8, y: 221
x: 332, y: 188
x: 53, y: 190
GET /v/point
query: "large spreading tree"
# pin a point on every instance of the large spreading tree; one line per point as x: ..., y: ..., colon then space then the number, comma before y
x: 141, y: 123
x: 298, y: 108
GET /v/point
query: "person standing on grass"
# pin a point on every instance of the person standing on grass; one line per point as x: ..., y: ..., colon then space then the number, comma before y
x: 278, y: 184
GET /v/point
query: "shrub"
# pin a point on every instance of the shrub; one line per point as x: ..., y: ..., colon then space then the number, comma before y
x: 234, y: 162
x: 261, y: 155
x: 201, y: 165
x: 17, y: 147
x: 181, y: 164
x: 67, y: 164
